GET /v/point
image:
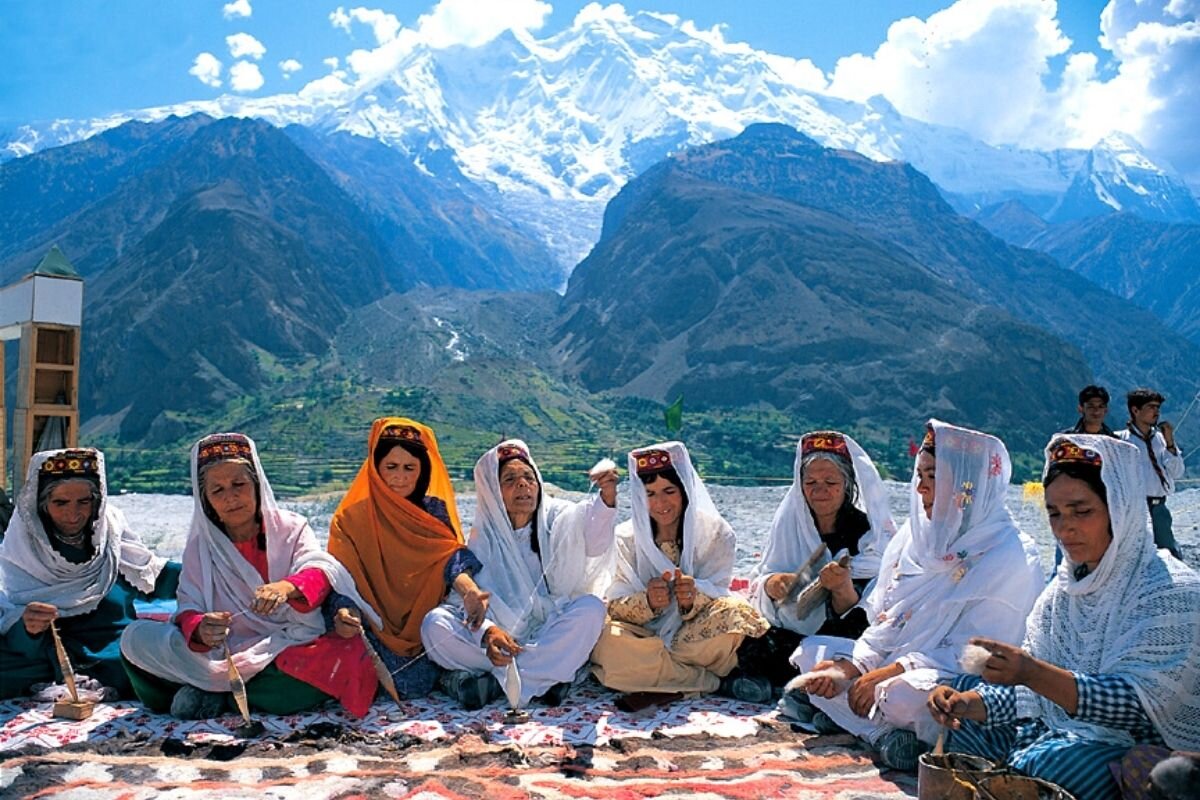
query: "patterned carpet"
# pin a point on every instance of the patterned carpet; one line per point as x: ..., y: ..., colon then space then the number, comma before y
x: 429, y: 750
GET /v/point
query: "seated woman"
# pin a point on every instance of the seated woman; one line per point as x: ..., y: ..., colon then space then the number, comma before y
x: 69, y: 556
x: 254, y: 578
x: 545, y: 560
x: 837, y: 503
x: 1112, y: 646
x: 958, y: 568
x: 674, y: 626
x: 397, y: 532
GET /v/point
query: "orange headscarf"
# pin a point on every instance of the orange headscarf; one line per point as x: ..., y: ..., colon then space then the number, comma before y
x: 395, y: 550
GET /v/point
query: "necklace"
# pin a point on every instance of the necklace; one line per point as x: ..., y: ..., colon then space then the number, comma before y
x: 73, y: 540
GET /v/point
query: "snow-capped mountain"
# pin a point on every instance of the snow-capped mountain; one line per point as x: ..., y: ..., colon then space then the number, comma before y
x: 1117, y: 176
x: 553, y: 127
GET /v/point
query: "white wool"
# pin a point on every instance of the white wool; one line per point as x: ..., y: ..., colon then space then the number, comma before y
x: 602, y: 466
x: 840, y: 681
x: 974, y: 658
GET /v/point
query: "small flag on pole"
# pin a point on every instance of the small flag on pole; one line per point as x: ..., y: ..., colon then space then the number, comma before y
x: 673, y: 415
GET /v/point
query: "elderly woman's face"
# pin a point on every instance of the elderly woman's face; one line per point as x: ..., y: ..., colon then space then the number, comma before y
x: 519, y: 488
x: 400, y: 470
x: 70, y: 506
x: 1078, y: 519
x: 229, y: 489
x: 926, y: 473
x: 824, y: 487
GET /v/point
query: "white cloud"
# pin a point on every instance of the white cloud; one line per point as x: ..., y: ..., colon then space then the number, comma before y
x: 470, y: 23
x: 986, y: 65
x: 289, y: 67
x: 245, y: 76
x: 384, y: 26
x: 977, y: 65
x: 238, y: 8
x: 207, y: 69
x: 332, y: 62
x: 243, y: 45
x: 447, y: 24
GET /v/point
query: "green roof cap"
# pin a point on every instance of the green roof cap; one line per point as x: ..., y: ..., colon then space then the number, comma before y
x: 56, y: 264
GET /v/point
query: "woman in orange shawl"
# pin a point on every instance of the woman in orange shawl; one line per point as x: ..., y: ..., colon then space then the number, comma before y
x: 397, y: 532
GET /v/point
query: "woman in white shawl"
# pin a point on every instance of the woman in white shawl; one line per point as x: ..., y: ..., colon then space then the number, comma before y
x: 674, y: 626
x: 958, y: 568
x: 545, y: 560
x: 254, y: 579
x: 837, y: 506
x: 69, y: 556
x: 1111, y: 656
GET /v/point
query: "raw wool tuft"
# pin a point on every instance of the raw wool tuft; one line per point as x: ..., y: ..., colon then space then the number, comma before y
x: 840, y: 681
x: 973, y: 659
x: 602, y: 466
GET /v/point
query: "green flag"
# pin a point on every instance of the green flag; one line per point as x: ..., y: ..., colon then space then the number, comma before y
x: 673, y: 415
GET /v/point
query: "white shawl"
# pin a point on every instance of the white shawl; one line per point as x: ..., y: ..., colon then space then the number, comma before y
x: 31, y: 570
x: 1137, y: 615
x: 522, y: 602
x: 794, y: 538
x: 709, y: 544
x: 216, y: 577
x: 969, y: 551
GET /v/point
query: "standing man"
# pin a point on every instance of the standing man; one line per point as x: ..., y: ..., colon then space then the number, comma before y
x: 1162, y: 463
x: 1093, y: 408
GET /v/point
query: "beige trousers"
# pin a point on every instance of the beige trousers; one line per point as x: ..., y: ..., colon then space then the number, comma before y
x: 630, y: 658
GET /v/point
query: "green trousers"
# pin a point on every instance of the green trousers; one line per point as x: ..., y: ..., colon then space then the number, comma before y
x: 271, y: 691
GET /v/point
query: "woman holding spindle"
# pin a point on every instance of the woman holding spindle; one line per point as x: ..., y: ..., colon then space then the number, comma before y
x: 958, y: 568
x: 70, y: 559
x: 673, y: 625
x: 250, y: 602
x: 547, y: 561
x: 837, y: 506
x: 397, y: 532
x: 1111, y: 650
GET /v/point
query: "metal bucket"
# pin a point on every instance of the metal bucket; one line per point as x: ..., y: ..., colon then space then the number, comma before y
x: 1019, y: 787
x: 950, y: 776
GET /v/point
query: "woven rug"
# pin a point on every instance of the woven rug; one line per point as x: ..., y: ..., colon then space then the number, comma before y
x: 471, y: 769
x: 430, y: 749
x: 588, y: 717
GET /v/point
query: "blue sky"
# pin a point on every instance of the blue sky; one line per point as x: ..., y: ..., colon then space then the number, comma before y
x: 1032, y: 73
x: 84, y: 58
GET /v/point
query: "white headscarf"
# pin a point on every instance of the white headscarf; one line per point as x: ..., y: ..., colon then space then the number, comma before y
x: 216, y: 577
x: 1137, y: 615
x: 709, y: 544
x: 521, y: 602
x: 970, y: 550
x: 794, y: 536
x: 32, y: 570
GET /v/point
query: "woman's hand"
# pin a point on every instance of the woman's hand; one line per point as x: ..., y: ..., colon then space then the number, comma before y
x: 685, y: 591
x: 607, y: 483
x: 861, y: 695
x: 38, y: 616
x: 270, y: 597
x: 825, y: 686
x: 213, y: 629
x: 658, y: 592
x: 347, y: 623
x: 500, y: 647
x: 949, y: 707
x: 778, y: 585
x: 1007, y: 665
x: 836, y: 578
